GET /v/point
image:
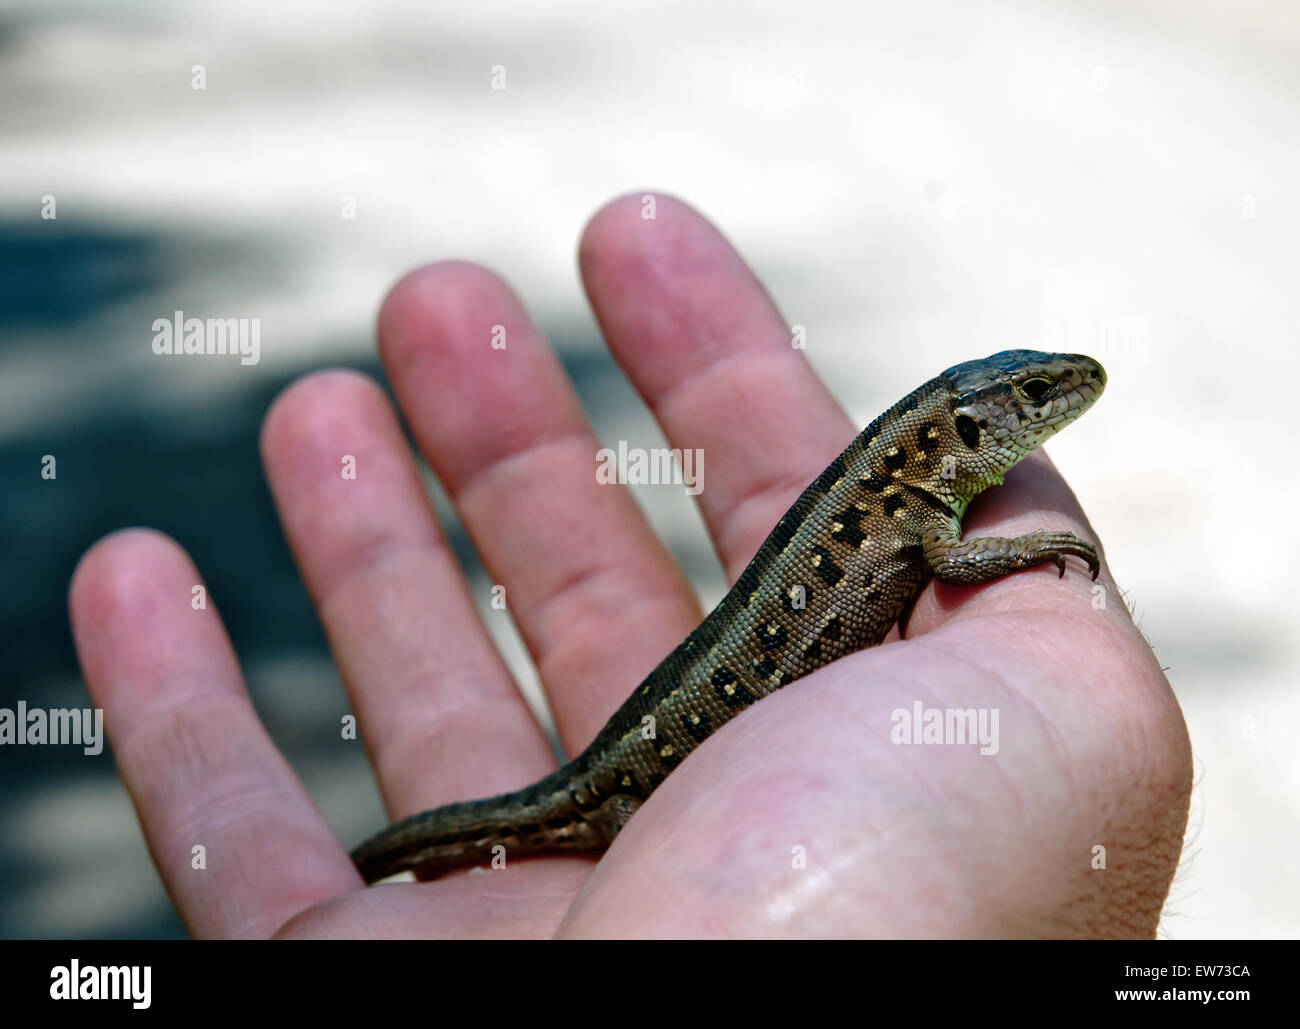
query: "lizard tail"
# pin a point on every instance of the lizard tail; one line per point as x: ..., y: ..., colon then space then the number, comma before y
x: 539, y: 819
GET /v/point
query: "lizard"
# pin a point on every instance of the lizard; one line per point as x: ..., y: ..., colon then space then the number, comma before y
x: 838, y: 571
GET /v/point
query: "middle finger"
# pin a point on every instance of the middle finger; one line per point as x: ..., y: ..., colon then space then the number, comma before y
x: 597, y: 597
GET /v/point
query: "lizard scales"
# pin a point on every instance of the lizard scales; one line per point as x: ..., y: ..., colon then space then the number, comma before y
x: 834, y: 576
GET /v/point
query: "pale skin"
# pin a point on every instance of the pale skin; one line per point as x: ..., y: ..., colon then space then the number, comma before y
x: 895, y: 840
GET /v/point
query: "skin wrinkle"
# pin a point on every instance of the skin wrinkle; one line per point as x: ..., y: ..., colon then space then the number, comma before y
x: 522, y: 418
x: 1023, y: 698
x: 582, y: 666
x: 506, y: 465
x: 1068, y: 766
x: 216, y: 809
x: 481, y: 682
x: 692, y: 322
x: 730, y: 373
x: 924, y: 781
x: 766, y: 493
x: 486, y: 481
x: 654, y: 888
x: 395, y: 586
x: 594, y: 603
x: 422, y: 742
x: 562, y: 622
x: 845, y: 849
x: 1026, y: 700
x: 582, y: 590
x: 181, y: 744
x: 374, y: 559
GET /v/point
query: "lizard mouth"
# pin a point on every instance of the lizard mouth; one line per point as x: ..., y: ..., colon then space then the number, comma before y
x: 1077, y: 397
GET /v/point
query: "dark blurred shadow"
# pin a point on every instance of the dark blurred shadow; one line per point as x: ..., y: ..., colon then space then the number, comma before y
x: 121, y: 463
x: 51, y: 278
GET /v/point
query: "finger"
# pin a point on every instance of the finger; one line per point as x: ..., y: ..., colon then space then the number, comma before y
x: 706, y: 348
x: 438, y: 710
x: 597, y: 598
x: 195, y: 759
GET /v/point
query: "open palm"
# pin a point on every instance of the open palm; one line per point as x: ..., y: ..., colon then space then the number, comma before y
x: 799, y: 817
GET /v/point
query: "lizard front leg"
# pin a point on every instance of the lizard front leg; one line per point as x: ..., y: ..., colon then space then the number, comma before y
x: 968, y: 562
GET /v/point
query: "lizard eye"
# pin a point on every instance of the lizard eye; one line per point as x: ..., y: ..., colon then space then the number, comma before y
x: 968, y: 430
x: 1037, y: 390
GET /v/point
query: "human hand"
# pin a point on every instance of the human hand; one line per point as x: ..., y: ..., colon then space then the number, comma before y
x: 897, y: 840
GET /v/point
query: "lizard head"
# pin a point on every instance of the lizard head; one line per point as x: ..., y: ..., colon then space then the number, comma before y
x: 1004, y: 406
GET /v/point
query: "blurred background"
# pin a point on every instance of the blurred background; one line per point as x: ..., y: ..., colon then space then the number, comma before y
x: 918, y: 184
